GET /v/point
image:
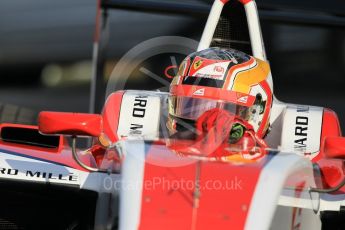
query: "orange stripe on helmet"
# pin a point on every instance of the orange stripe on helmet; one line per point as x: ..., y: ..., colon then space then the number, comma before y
x: 234, y: 69
x: 253, y: 76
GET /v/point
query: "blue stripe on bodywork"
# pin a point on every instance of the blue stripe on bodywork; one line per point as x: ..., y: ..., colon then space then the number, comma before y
x: 31, y: 157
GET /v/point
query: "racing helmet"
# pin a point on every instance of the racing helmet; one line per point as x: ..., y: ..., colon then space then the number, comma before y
x: 221, y: 78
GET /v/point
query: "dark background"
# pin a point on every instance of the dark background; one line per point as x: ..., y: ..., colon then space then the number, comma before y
x: 46, y: 51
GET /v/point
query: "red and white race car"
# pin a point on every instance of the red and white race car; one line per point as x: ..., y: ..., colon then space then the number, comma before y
x: 136, y: 175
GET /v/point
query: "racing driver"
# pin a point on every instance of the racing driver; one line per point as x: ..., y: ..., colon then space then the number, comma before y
x: 225, y: 94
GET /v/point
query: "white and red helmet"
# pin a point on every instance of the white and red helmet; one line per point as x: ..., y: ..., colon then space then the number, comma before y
x: 226, y: 79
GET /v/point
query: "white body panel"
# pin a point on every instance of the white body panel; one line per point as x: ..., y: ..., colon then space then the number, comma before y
x: 132, y: 183
x: 255, y: 31
x: 274, y: 177
x: 287, y: 218
x: 211, y: 25
x: 332, y: 202
x: 138, y: 115
x: 302, y: 130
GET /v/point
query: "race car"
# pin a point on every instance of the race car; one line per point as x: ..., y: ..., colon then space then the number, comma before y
x: 217, y: 151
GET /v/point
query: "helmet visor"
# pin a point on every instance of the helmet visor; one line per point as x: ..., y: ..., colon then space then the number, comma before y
x: 192, y: 108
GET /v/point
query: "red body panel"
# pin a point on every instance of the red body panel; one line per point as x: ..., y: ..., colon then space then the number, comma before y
x: 242, y: 1
x: 78, y: 124
x: 240, y: 182
x: 245, y: 1
x: 169, y: 200
x: 111, y: 115
x: 334, y: 147
x: 330, y: 128
x: 332, y: 170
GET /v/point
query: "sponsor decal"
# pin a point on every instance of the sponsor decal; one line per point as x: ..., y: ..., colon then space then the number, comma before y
x: 219, y: 69
x: 136, y: 129
x: 301, y: 129
x: 139, y: 107
x: 210, y: 76
x: 199, y: 92
x: 139, y: 110
x: 38, y: 175
x: 214, y: 71
x: 243, y: 99
x: 197, y: 64
x: 139, y: 116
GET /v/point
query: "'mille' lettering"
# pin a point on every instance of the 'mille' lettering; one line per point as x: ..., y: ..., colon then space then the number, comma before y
x: 31, y: 174
x: 39, y: 174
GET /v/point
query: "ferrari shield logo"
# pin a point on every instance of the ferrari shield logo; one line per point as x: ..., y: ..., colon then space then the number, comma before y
x: 197, y: 64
